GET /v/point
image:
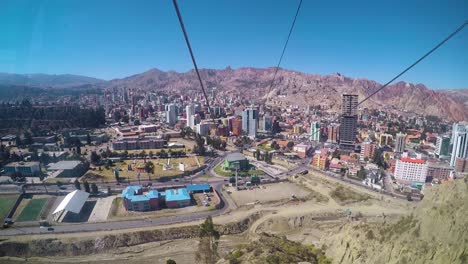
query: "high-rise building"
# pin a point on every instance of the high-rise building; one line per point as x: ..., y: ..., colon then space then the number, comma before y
x: 236, y: 127
x: 400, y: 143
x: 348, y: 124
x: 442, y: 146
x: 171, y: 114
x: 367, y: 149
x: 250, y: 121
x: 315, y: 131
x: 190, y: 112
x: 410, y: 169
x: 266, y: 123
x: 333, y: 132
x: 459, y: 142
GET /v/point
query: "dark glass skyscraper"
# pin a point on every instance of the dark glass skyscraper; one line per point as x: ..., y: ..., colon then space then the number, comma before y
x: 348, y: 122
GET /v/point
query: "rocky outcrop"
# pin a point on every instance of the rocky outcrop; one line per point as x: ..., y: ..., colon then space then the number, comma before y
x: 100, y: 244
x: 436, y: 232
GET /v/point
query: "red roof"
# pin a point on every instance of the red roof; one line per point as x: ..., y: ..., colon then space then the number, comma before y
x: 420, y: 161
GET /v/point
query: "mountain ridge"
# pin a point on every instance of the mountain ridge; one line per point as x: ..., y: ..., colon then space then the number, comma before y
x: 47, y: 80
x: 297, y: 88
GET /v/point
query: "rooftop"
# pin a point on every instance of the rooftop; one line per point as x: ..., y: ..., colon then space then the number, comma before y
x: 23, y: 163
x: 177, y: 194
x: 235, y: 157
x: 130, y: 194
x: 64, y: 165
x: 411, y: 160
x: 198, y: 187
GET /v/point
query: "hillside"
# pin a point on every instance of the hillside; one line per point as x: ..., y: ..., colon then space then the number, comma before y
x: 303, y: 89
x: 47, y: 80
x: 434, y: 233
x: 457, y: 94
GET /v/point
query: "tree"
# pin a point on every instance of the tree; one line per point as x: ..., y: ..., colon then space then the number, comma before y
x: 95, y: 157
x: 290, y: 145
x: 27, y: 138
x: 94, y: 188
x: 170, y: 261
x: 362, y: 173
x: 149, y: 167
x: 208, y: 247
x: 86, y: 186
x: 77, y: 185
x: 200, y: 145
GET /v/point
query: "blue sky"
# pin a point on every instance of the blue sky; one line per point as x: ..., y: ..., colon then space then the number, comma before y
x: 113, y: 39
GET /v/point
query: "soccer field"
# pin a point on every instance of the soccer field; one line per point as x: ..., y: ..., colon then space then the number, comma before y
x: 32, y: 210
x: 6, y: 203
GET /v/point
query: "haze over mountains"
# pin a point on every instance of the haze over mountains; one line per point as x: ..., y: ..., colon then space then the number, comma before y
x: 46, y: 80
x: 291, y: 87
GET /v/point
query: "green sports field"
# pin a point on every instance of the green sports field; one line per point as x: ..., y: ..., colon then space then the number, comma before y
x: 32, y: 210
x: 6, y: 203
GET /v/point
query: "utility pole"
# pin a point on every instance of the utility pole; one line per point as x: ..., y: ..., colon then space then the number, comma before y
x: 43, y: 183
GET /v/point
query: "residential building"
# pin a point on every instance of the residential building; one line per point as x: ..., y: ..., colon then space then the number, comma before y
x: 320, y: 159
x: 250, y: 121
x: 301, y: 150
x: 459, y: 142
x: 442, y: 146
x: 410, y: 170
x: 297, y: 129
x: 204, y: 128
x: 27, y: 169
x: 333, y: 132
x: 385, y: 140
x: 400, y: 142
x: 438, y: 171
x: 190, y: 112
x: 367, y: 150
x: 171, y: 114
x: 348, y: 124
x: 266, y: 123
x: 138, y: 143
x: 461, y: 165
x: 315, y: 131
x: 236, y: 127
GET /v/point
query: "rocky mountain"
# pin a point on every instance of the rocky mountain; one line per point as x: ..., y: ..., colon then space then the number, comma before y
x: 47, y: 80
x: 457, y: 94
x: 292, y: 87
x: 435, y: 232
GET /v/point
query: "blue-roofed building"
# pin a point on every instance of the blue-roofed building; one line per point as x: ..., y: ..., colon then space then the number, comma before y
x: 135, y: 200
x: 198, y: 188
x: 177, y: 198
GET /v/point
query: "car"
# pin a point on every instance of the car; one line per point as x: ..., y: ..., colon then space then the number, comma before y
x: 50, y: 229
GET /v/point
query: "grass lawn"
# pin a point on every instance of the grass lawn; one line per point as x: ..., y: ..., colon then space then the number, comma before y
x: 219, y: 170
x: 108, y: 174
x: 265, y: 147
x: 6, y: 203
x: 32, y: 210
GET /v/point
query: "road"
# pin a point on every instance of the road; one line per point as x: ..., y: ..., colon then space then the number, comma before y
x: 215, y: 180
